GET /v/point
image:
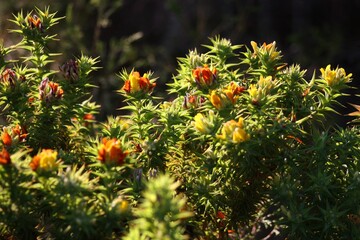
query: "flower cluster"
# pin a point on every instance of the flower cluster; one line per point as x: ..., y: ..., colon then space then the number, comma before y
x: 45, y: 160
x: 111, y: 152
x: 138, y: 84
x: 232, y: 142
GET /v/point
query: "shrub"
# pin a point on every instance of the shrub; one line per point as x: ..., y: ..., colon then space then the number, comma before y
x: 243, y: 150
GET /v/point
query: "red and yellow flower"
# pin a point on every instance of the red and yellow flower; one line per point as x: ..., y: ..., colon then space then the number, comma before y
x: 228, y: 95
x: 45, y: 160
x: 111, y: 152
x: 4, y: 157
x: 136, y: 83
x: 204, y: 76
x: 233, y: 131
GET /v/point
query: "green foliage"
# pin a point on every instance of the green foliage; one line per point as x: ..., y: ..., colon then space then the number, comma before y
x: 159, y: 214
x: 242, y: 150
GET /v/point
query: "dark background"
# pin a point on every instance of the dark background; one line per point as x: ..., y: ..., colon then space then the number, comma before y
x: 151, y: 34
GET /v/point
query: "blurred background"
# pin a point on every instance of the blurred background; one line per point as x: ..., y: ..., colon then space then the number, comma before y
x: 151, y: 34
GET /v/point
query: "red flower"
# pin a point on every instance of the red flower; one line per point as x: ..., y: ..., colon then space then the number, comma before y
x: 4, y: 157
x: 220, y: 215
x: 110, y: 151
x: 204, y: 76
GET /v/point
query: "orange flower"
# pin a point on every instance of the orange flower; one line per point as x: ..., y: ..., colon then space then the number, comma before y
x: 49, y: 90
x: 110, y: 151
x: 4, y: 157
x: 204, y: 76
x: 232, y: 91
x: 46, y: 160
x: 6, y: 138
x: 217, y: 100
x: 136, y: 83
x: 34, y: 164
x: 55, y: 90
x: 88, y: 118
x: 20, y: 132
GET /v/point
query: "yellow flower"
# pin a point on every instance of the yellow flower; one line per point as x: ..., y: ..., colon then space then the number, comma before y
x: 334, y: 77
x: 255, y: 47
x: 134, y: 81
x: 265, y: 83
x: 271, y: 50
x: 120, y: 205
x: 216, y: 100
x: 259, y: 90
x: 253, y: 91
x: 234, y: 132
x: 239, y: 135
x: 265, y: 50
x: 203, y: 124
x: 45, y: 160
